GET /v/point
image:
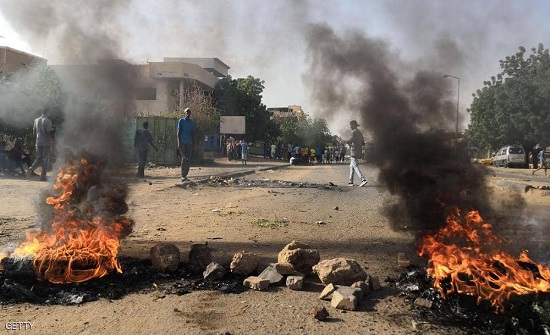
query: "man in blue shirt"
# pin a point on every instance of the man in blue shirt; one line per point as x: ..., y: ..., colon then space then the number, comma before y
x: 186, y: 127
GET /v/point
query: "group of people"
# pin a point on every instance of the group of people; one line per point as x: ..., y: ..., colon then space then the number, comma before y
x: 305, y: 155
x: 11, y: 160
x: 237, y: 150
x: 14, y: 159
x: 301, y: 155
x: 43, y: 129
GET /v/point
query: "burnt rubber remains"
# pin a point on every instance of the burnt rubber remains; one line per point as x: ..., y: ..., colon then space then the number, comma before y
x: 19, y: 284
x: 526, y: 314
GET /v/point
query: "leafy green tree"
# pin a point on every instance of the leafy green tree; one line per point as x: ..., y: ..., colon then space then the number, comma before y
x: 309, y: 131
x: 514, y: 106
x: 243, y: 97
x: 289, y: 132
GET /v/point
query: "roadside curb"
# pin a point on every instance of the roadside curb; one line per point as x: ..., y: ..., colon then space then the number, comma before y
x: 236, y: 174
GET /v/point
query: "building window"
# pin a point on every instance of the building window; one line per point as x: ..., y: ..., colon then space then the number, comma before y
x: 146, y: 93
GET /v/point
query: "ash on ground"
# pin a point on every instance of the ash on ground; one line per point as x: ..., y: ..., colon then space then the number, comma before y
x: 265, y: 183
x: 138, y: 276
x: 528, y: 314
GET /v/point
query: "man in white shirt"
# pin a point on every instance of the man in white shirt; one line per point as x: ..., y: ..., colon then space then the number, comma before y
x: 42, y: 130
x: 356, y: 142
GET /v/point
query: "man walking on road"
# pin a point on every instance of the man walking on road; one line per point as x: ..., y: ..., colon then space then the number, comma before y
x: 42, y: 131
x: 186, y: 128
x: 356, y: 142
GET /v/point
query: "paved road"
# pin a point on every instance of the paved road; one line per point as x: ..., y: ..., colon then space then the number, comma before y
x: 336, y: 173
x: 520, y: 174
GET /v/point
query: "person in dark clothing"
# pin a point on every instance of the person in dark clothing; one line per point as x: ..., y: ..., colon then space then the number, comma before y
x: 3, y: 158
x: 142, y: 139
x: 17, y: 156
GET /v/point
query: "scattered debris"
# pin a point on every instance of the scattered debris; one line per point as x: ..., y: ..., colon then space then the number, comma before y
x: 244, y: 263
x: 295, y: 282
x: 300, y: 256
x: 256, y: 283
x: 165, y: 257
x: 339, y: 271
x: 402, y: 260
x: 199, y: 257
x: 214, y: 271
x: 320, y: 313
x: 272, y: 275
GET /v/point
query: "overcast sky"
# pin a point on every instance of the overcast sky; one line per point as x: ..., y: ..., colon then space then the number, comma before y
x: 267, y: 39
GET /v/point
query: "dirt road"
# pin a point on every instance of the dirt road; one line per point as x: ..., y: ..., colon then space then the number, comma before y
x: 255, y: 213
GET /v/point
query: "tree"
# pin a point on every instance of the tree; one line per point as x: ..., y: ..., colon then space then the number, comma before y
x: 310, y: 132
x: 203, y: 112
x: 514, y: 106
x: 243, y: 97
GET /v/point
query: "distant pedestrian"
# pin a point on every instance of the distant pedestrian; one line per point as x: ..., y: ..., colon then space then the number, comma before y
x: 244, y: 152
x: 42, y: 130
x: 356, y: 141
x: 542, y: 162
x: 186, y: 129
x: 142, y: 139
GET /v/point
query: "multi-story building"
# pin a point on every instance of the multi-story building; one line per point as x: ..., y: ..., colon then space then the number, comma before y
x: 162, y: 85
x: 12, y: 60
x: 280, y: 113
x: 153, y: 89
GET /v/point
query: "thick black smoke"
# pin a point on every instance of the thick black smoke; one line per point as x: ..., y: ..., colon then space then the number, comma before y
x: 86, y: 37
x: 411, y: 116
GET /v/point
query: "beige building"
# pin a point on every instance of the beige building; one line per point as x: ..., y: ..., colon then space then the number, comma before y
x: 152, y: 89
x: 281, y: 113
x: 12, y: 60
x: 162, y: 85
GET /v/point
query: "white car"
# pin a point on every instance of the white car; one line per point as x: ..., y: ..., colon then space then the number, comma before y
x: 510, y: 155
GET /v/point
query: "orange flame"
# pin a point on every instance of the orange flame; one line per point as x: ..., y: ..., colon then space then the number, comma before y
x: 83, y: 239
x: 465, y: 252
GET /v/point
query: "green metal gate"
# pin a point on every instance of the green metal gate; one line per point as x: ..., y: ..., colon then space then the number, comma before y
x: 164, y: 132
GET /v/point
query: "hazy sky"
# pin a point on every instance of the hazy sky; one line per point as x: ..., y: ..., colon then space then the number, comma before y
x: 267, y: 39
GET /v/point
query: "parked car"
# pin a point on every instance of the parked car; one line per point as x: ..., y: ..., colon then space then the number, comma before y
x: 509, y: 156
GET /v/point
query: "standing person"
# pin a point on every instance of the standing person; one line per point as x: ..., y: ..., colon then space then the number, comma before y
x: 273, y: 151
x: 142, y: 139
x: 244, y: 152
x: 42, y: 131
x: 186, y: 129
x: 356, y: 141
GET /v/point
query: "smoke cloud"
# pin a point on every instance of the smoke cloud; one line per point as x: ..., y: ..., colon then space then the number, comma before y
x: 408, y: 113
x: 88, y: 35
